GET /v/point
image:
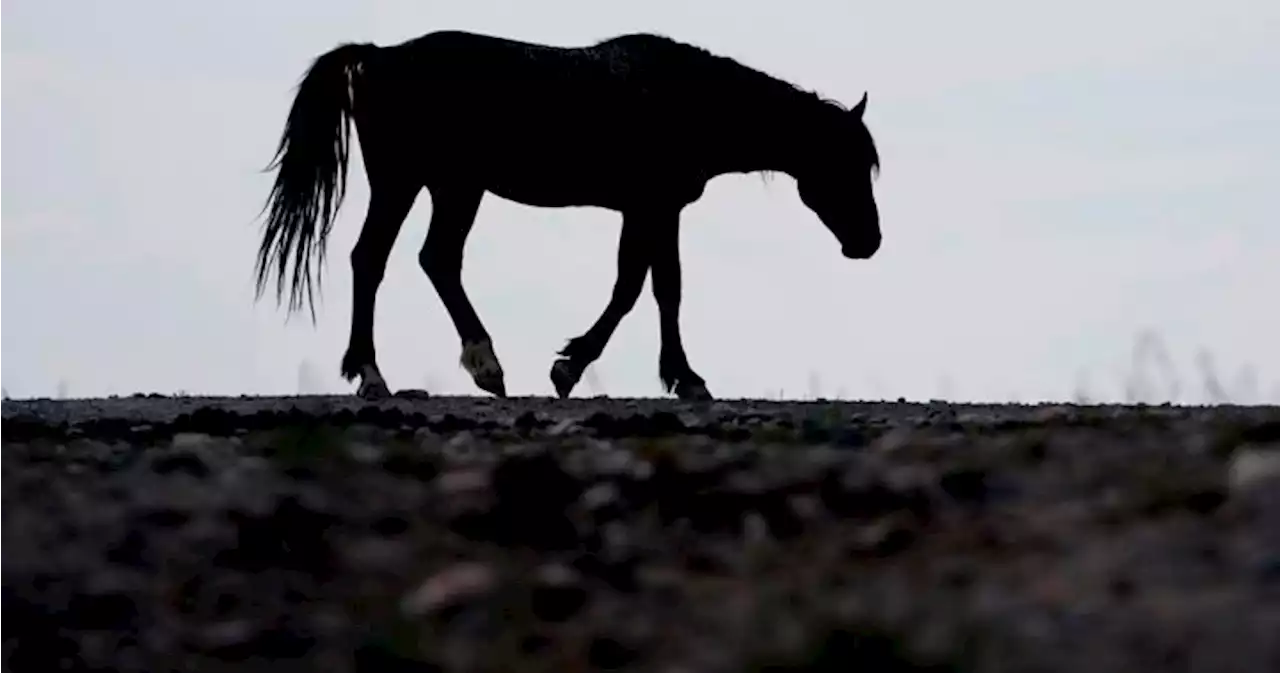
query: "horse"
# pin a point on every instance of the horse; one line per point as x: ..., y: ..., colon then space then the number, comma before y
x: 637, y: 124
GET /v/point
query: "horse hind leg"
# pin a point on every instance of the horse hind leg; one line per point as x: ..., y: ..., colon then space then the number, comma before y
x: 389, y: 204
x: 454, y: 211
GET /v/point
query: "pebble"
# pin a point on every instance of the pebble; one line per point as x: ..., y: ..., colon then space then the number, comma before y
x: 450, y: 586
x: 565, y: 428
x: 1251, y: 467
x: 365, y: 453
x: 600, y: 495
x: 226, y: 633
x: 463, y: 480
x: 558, y: 593
x: 190, y: 440
x: 375, y: 553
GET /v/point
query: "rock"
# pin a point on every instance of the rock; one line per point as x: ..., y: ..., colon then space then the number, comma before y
x: 185, y: 460
x: 565, y: 427
x: 375, y: 554
x: 893, y: 440
x: 225, y: 634
x: 365, y: 453
x: 459, y: 445
x: 1057, y: 413
x: 883, y: 538
x: 558, y: 593
x: 602, y: 500
x: 1251, y: 467
x: 453, y: 585
x: 242, y: 639
x: 462, y: 481
x: 610, y: 461
x: 190, y: 440
x: 528, y: 421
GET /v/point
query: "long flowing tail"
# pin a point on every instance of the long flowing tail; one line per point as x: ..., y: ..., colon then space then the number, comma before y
x: 312, y: 162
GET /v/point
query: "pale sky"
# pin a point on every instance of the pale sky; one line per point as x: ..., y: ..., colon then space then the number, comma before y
x: 1058, y: 180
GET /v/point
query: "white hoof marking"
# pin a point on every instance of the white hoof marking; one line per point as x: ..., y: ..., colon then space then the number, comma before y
x: 479, y: 361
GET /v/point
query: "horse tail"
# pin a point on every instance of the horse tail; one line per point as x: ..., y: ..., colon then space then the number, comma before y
x: 311, y: 182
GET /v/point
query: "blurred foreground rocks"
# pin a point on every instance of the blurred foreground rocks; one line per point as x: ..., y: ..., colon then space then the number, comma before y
x: 463, y: 534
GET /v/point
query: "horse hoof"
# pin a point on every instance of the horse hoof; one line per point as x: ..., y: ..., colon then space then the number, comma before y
x: 373, y: 390
x: 494, y: 385
x: 564, y: 376
x: 372, y: 385
x: 412, y: 394
x: 693, y: 392
x: 480, y: 361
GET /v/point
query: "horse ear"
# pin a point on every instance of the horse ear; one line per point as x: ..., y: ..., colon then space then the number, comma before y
x: 861, y: 107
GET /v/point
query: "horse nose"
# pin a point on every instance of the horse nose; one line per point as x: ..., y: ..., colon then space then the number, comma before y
x: 861, y: 248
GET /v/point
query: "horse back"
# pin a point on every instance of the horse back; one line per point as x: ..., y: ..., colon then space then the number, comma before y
x: 626, y: 84
x: 595, y: 124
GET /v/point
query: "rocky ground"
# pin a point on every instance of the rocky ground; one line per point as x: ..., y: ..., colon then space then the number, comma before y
x: 460, y: 534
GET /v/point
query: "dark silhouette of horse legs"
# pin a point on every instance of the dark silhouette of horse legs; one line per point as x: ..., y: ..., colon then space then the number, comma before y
x: 453, y: 213
x: 646, y: 242
x: 389, y: 204
x: 633, y: 266
x: 673, y: 364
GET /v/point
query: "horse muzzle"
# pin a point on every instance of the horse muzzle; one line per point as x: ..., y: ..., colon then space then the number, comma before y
x: 862, y: 248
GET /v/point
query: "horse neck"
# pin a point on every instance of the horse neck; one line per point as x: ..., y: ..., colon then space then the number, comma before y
x: 775, y: 136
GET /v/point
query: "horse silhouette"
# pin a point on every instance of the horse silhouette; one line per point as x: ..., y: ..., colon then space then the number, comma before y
x: 636, y: 124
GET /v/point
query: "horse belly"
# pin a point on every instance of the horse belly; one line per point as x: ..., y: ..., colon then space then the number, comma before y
x: 559, y: 170
x: 548, y: 183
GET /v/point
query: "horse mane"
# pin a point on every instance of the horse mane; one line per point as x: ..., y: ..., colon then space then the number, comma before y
x: 737, y: 74
x: 729, y: 69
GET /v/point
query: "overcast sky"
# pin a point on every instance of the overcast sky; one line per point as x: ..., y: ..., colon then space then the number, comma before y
x: 1058, y: 180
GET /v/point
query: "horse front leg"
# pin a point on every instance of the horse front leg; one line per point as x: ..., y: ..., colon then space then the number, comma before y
x: 454, y: 212
x: 673, y: 364
x: 633, y: 266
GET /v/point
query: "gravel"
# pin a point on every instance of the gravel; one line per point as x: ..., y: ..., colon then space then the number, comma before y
x: 467, y: 534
